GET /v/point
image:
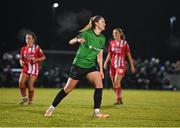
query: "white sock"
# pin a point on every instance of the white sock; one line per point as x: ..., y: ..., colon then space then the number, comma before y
x: 96, y: 110
x: 51, y: 108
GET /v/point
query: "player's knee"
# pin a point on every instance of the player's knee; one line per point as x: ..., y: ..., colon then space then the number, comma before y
x: 99, y: 85
x: 117, y: 85
x: 31, y: 87
x: 31, y: 83
x: 21, y: 83
x: 68, y: 88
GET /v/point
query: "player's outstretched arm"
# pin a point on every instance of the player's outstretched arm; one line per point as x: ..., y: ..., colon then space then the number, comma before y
x: 77, y: 40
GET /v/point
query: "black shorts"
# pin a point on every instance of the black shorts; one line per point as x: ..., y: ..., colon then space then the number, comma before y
x: 77, y: 73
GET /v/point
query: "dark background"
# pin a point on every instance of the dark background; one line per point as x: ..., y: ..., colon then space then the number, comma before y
x: 146, y: 24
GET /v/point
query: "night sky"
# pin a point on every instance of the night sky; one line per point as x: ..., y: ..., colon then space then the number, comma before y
x: 146, y: 24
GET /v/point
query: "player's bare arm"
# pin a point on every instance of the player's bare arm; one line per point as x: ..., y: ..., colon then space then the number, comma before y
x: 21, y: 63
x: 107, y: 60
x: 77, y: 40
x: 131, y: 62
x: 100, y: 62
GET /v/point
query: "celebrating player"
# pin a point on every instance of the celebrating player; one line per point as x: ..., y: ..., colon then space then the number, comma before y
x: 91, y: 43
x: 117, y: 51
x: 30, y: 56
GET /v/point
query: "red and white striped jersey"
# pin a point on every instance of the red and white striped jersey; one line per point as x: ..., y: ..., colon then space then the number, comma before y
x: 27, y: 53
x: 118, y: 50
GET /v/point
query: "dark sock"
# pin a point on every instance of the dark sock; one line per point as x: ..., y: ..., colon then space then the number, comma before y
x: 118, y: 93
x: 59, y: 97
x: 23, y: 91
x: 97, y: 97
x: 31, y: 94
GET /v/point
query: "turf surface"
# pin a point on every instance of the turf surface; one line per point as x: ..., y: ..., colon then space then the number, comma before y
x: 140, y: 109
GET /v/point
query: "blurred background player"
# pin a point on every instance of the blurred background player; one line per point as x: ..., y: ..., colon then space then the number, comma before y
x: 91, y: 43
x: 30, y: 56
x: 117, y: 51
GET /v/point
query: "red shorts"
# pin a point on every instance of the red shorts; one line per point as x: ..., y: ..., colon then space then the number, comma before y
x: 31, y: 69
x: 119, y: 71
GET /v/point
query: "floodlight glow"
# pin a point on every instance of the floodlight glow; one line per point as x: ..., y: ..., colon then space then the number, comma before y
x: 55, y: 5
x: 172, y: 19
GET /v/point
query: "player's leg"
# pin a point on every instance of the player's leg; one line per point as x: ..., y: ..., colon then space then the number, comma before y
x: 95, y: 78
x: 112, y: 76
x: 71, y: 83
x: 32, y: 80
x: 112, y: 73
x: 118, y: 77
x: 112, y: 80
x: 74, y: 77
x: 22, y: 86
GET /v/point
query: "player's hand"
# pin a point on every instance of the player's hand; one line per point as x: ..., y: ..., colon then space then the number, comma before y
x: 77, y: 40
x: 105, y: 66
x: 102, y: 74
x: 34, y: 60
x: 81, y: 40
x: 133, y: 70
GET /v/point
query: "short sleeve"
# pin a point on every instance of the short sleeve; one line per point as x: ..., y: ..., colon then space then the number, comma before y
x: 127, y: 49
x: 102, y: 42
x: 82, y: 35
x: 39, y: 51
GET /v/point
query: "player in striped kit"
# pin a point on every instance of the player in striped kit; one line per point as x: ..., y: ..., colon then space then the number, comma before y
x: 30, y: 56
x: 117, y: 51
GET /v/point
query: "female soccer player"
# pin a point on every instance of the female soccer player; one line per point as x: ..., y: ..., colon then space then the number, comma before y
x: 117, y: 51
x: 91, y: 43
x: 30, y: 56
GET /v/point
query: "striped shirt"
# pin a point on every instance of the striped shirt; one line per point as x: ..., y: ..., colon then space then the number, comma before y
x: 118, y: 50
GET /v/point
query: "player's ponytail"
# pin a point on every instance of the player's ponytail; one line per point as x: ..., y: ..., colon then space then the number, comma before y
x: 91, y: 24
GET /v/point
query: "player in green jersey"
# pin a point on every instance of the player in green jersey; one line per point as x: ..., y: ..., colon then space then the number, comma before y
x: 91, y: 43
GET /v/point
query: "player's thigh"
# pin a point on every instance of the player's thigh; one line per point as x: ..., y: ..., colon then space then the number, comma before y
x: 32, y: 80
x: 95, y: 79
x: 117, y: 80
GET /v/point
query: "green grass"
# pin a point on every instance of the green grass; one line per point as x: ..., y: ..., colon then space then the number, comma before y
x: 140, y: 109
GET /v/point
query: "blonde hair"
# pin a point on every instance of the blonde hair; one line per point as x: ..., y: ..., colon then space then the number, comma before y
x: 121, y: 32
x: 91, y: 24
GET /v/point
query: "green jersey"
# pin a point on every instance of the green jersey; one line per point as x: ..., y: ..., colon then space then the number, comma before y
x: 87, y: 52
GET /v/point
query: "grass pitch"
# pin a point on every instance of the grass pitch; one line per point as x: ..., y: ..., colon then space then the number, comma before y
x: 140, y: 109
